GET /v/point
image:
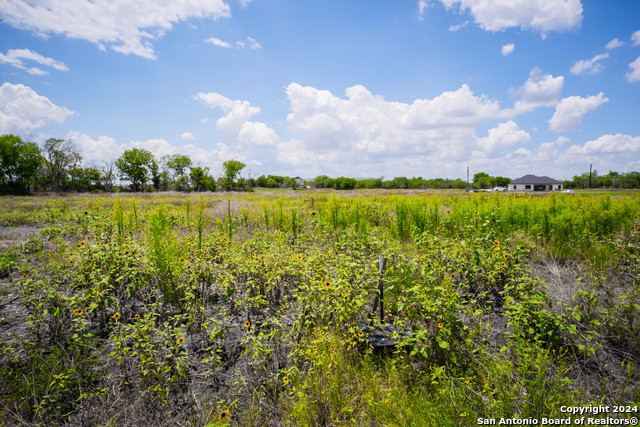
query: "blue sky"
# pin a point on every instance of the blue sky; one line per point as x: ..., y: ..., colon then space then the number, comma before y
x: 343, y: 88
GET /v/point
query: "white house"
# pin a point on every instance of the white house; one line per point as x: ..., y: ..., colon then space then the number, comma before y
x: 535, y: 183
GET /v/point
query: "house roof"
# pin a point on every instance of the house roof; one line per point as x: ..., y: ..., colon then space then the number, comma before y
x: 532, y: 179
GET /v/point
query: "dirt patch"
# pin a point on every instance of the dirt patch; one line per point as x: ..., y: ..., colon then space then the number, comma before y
x: 16, y: 236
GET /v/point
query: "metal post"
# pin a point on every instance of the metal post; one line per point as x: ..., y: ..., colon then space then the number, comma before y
x: 467, y: 178
x: 382, y: 265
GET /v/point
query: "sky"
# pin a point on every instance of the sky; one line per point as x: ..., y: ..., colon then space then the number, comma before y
x: 354, y: 88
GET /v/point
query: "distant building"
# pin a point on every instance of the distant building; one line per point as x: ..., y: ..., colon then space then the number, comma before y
x: 535, y: 183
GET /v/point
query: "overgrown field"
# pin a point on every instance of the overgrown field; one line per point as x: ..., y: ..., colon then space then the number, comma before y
x: 255, y: 310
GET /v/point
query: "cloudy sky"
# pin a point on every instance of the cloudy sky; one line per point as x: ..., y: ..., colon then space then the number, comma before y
x: 343, y: 88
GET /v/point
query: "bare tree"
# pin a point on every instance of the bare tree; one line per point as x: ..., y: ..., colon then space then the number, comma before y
x: 107, y: 175
x: 60, y: 157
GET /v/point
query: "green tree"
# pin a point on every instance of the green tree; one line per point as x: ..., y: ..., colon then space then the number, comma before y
x: 201, y: 180
x: 344, y: 183
x: 179, y: 163
x: 85, y: 178
x: 232, y: 169
x: 477, y: 177
x: 19, y: 163
x: 323, y: 181
x: 501, y: 181
x: 136, y: 165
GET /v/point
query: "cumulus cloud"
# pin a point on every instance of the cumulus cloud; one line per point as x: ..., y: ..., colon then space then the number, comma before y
x: 365, y: 132
x: 507, y: 49
x: 236, y: 112
x: 23, y: 110
x: 608, y: 144
x: 539, y: 15
x: 188, y: 136
x: 503, y: 135
x: 635, y: 38
x: 634, y: 73
x: 96, y: 151
x: 540, y: 90
x: 15, y: 57
x: 106, y: 149
x: 570, y: 111
x: 257, y: 134
x: 553, y: 159
x: 589, y: 66
x: 615, y: 43
x: 126, y: 27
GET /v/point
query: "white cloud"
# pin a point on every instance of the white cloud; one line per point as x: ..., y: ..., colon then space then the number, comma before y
x: 23, y: 110
x: 257, y: 134
x: 634, y: 73
x: 253, y: 44
x: 244, y: 3
x: 104, y: 149
x: 188, y: 136
x: 589, y: 66
x: 459, y: 26
x: 36, y: 71
x: 15, y: 57
x: 521, y: 152
x: 365, y: 134
x: 538, y: 15
x: 608, y: 144
x: 107, y: 149
x: 217, y: 42
x: 236, y: 112
x: 507, y: 49
x: 553, y: 159
x: 538, y: 91
x: 570, y: 111
x: 422, y: 7
x: 503, y: 135
x: 615, y: 43
x: 635, y: 38
x: 126, y: 27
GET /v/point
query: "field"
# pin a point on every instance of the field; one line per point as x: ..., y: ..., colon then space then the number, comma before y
x: 260, y: 309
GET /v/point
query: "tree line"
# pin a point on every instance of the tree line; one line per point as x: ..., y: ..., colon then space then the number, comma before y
x: 57, y: 166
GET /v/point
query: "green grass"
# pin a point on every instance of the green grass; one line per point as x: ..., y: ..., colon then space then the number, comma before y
x: 181, y: 310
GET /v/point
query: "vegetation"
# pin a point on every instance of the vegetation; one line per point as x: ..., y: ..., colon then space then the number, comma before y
x: 59, y: 166
x: 232, y: 169
x: 255, y: 311
x: 19, y: 163
x: 60, y: 158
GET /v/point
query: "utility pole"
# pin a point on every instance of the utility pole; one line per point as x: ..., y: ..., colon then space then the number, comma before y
x: 467, y: 178
x: 590, y: 169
